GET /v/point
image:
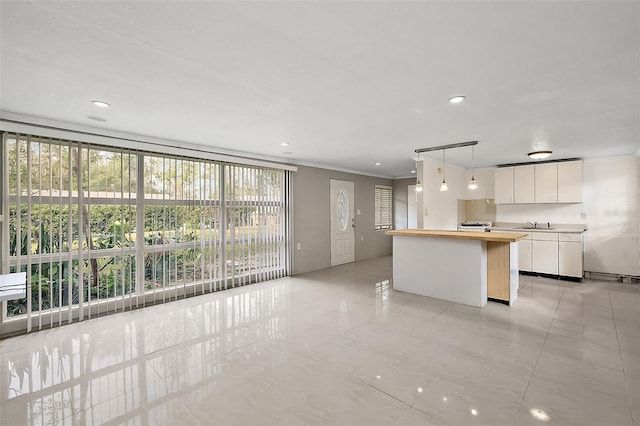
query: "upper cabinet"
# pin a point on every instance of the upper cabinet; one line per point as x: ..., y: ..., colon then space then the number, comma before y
x: 546, y: 183
x: 559, y: 182
x: 523, y: 184
x: 570, y: 182
x: 504, y: 185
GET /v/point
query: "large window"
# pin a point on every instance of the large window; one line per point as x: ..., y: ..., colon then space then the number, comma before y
x: 383, y: 207
x: 101, y: 229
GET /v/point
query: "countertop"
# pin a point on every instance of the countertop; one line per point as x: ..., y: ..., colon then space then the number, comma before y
x: 558, y: 229
x: 503, y: 237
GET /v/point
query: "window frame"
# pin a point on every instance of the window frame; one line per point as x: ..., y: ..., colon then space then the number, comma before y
x: 380, y: 211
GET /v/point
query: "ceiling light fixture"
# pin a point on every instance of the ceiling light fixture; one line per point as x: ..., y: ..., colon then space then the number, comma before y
x: 101, y: 104
x: 443, y: 185
x: 413, y: 171
x: 457, y: 99
x: 539, y: 155
x: 284, y: 144
x: 377, y: 164
x: 473, y: 185
x: 539, y: 414
x: 418, y: 184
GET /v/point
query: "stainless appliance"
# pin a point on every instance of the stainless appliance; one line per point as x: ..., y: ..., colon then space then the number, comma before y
x: 476, y: 225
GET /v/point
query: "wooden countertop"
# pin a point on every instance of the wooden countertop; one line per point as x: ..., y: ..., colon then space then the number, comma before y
x: 503, y: 237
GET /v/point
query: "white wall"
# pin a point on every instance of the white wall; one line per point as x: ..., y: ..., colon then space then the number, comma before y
x: 440, y: 209
x: 611, y: 209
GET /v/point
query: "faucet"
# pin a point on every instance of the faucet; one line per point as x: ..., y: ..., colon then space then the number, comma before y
x: 534, y: 224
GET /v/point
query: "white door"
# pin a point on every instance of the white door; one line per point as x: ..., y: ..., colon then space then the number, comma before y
x: 342, y: 222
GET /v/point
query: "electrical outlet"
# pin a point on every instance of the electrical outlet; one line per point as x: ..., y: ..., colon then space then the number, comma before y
x: 298, y: 246
x: 583, y: 215
x: 361, y: 237
x: 426, y: 212
x: 358, y: 212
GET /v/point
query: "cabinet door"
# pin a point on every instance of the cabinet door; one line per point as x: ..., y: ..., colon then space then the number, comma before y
x: 546, y: 182
x: 570, y: 259
x: 523, y: 186
x: 504, y: 185
x: 545, y: 256
x: 570, y: 182
x: 524, y: 255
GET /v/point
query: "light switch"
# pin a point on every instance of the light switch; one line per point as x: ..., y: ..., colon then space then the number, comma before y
x: 298, y: 246
x: 426, y: 212
x: 358, y: 212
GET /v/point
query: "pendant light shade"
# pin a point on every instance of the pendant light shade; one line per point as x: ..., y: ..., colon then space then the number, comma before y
x: 473, y: 185
x: 443, y: 185
x: 418, y: 187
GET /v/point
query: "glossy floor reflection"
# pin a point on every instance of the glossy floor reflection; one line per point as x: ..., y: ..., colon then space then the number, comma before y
x: 338, y: 346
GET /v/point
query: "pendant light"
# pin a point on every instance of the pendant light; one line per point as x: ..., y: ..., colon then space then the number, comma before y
x: 473, y: 185
x: 418, y: 184
x: 443, y: 185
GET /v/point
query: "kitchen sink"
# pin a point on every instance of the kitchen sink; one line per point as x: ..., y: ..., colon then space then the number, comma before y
x: 531, y: 227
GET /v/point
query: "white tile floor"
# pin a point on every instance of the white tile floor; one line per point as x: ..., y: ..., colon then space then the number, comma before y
x: 338, y: 346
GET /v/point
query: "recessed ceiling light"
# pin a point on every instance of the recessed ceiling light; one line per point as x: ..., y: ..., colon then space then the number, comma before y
x: 413, y: 171
x: 538, y: 414
x: 96, y: 118
x: 539, y: 155
x: 473, y: 412
x: 285, y: 144
x: 101, y: 104
x: 457, y: 99
x: 377, y: 164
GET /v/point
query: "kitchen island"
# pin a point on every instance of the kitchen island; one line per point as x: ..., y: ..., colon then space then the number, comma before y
x: 459, y: 266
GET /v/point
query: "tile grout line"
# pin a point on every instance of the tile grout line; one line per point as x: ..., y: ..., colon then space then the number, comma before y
x: 539, y: 356
x: 624, y: 374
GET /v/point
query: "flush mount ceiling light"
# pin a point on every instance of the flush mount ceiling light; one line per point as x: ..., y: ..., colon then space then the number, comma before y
x: 443, y: 185
x: 539, y: 155
x: 473, y: 185
x: 101, y: 104
x: 457, y: 99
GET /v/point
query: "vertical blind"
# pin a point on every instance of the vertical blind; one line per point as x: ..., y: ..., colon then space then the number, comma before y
x: 383, y: 207
x: 101, y: 229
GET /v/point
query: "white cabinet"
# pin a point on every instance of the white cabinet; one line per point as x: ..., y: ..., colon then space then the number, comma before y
x: 503, y: 185
x: 523, y: 184
x: 570, y: 182
x: 544, y: 252
x: 558, y: 182
x: 570, y: 255
x: 524, y: 254
x: 546, y: 183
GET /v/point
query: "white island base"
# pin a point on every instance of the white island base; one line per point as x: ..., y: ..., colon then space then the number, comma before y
x: 456, y: 266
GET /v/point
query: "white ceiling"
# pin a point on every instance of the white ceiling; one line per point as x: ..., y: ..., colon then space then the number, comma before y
x: 348, y: 84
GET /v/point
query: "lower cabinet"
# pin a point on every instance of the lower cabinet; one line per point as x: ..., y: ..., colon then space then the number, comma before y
x: 551, y: 253
x: 570, y: 255
x: 545, y: 256
x: 524, y: 254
